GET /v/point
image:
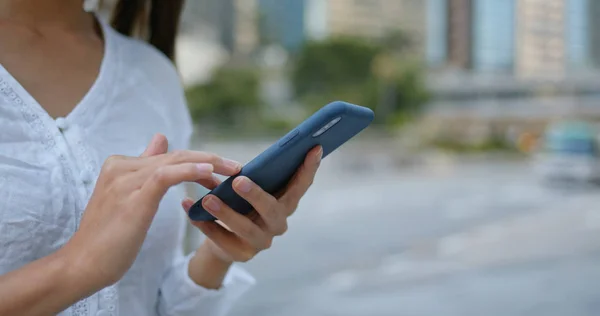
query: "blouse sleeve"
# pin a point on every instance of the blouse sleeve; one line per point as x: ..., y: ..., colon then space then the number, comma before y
x: 179, y: 295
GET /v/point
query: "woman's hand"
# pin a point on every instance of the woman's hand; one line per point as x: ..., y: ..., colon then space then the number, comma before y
x: 246, y: 236
x: 111, y: 232
x: 123, y: 205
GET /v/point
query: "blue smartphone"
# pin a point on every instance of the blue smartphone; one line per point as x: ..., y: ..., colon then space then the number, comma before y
x: 330, y: 127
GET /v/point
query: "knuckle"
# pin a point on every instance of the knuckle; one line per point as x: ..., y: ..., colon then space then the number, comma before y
x: 282, y: 229
x: 178, y: 155
x: 249, y: 231
x: 191, y: 169
x: 111, y: 163
x: 159, y: 176
x: 293, y: 205
x: 245, y: 256
x: 271, y: 210
x: 268, y: 243
x: 212, y: 157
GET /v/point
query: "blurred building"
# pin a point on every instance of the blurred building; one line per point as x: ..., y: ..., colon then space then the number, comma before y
x: 513, y: 59
x: 554, y: 38
x: 594, y: 31
x: 436, y: 36
x: 578, y: 34
x: 493, y: 36
x: 234, y: 23
x: 474, y: 35
x: 283, y: 22
x: 531, y: 39
x: 541, y: 45
x: 376, y: 18
x: 291, y: 22
x: 459, y: 32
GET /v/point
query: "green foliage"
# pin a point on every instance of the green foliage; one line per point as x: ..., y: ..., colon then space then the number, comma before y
x: 277, y: 125
x: 360, y: 72
x: 397, y: 42
x: 323, y: 67
x: 492, y: 144
x: 227, y: 99
x: 409, y: 94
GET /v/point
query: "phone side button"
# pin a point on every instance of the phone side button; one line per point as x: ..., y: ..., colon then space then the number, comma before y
x: 286, y: 139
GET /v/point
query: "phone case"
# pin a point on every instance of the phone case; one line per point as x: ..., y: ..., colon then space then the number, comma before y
x: 330, y: 127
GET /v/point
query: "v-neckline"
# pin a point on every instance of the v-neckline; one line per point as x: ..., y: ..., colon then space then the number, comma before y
x: 93, y: 93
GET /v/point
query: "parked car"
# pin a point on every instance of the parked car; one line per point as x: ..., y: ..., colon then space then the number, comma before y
x: 569, y: 151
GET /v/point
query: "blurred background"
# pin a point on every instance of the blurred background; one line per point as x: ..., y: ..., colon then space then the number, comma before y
x: 476, y: 191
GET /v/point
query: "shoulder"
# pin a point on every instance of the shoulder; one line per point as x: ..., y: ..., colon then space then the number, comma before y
x: 147, y: 72
x: 140, y: 56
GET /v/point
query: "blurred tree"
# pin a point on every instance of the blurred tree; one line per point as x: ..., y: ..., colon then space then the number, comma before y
x: 228, y: 99
x: 374, y: 75
x: 322, y: 67
x: 398, y: 42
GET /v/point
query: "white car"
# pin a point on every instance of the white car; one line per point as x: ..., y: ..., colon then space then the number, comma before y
x: 569, y: 152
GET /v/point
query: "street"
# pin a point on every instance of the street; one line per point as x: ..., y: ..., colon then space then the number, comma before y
x: 443, y: 237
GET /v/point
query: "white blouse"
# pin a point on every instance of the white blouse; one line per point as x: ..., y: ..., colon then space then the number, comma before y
x: 48, y: 170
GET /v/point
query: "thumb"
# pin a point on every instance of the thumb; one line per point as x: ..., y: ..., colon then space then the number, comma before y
x: 158, y: 145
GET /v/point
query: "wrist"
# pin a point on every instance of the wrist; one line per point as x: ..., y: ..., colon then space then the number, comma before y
x: 77, y: 273
x: 211, y: 250
x: 208, y: 268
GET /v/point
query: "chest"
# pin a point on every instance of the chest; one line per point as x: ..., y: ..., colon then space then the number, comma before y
x: 40, y: 63
x: 49, y: 167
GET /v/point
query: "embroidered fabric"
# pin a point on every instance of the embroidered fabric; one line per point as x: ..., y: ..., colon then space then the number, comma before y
x: 137, y: 94
x: 81, y: 308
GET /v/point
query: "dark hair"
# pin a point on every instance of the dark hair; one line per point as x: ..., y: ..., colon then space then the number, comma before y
x: 159, y: 26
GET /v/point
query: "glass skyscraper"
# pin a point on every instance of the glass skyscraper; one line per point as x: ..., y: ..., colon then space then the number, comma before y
x: 493, y: 35
x: 578, y: 32
x: 437, y: 32
x: 283, y: 22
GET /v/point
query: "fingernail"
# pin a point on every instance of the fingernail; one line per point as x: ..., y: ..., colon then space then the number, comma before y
x: 211, y: 204
x: 232, y: 164
x: 320, y: 155
x: 243, y: 184
x: 154, y: 138
x: 187, y: 204
x: 205, y: 168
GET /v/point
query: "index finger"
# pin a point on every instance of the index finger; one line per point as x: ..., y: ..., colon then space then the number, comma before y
x: 158, y: 145
x: 221, y: 165
x: 163, y: 178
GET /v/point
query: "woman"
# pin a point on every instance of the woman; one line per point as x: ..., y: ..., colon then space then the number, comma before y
x: 88, y: 226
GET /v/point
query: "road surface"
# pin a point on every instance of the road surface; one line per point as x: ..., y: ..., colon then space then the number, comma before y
x: 441, y: 238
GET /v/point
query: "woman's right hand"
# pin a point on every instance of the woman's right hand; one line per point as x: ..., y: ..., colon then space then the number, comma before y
x: 123, y: 205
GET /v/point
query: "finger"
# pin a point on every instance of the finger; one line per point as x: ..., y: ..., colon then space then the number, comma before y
x: 187, y: 203
x: 264, y: 203
x: 158, y: 145
x: 239, y: 250
x: 155, y: 187
x: 210, y: 184
x: 237, y: 223
x: 117, y: 165
x: 221, y: 165
x: 303, y: 179
x: 120, y: 164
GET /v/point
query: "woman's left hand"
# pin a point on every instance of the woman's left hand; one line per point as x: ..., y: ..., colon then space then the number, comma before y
x: 246, y: 236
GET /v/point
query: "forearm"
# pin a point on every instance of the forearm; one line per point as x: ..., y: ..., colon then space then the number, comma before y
x: 206, y: 269
x: 44, y: 287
